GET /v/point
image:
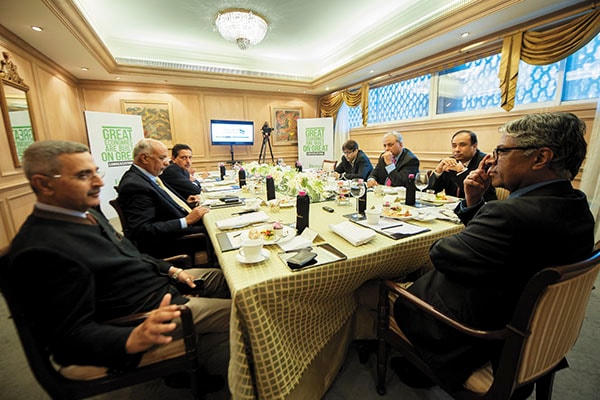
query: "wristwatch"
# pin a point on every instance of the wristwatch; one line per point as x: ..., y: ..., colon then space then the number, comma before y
x: 176, y: 274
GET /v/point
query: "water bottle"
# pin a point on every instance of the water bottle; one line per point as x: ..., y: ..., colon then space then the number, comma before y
x: 222, y: 171
x: 302, y: 208
x: 298, y: 166
x: 411, y: 190
x: 270, y: 188
x: 242, y: 177
x: 361, y: 203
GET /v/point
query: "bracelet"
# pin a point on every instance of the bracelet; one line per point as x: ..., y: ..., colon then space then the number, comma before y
x: 176, y: 274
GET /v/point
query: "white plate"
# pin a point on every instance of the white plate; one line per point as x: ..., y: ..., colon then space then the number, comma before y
x: 287, y: 203
x: 424, y: 217
x: 287, y: 234
x: 265, y: 254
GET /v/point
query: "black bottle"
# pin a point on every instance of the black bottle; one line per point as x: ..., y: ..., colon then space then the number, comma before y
x: 411, y: 190
x: 270, y: 188
x: 302, y: 208
x: 298, y: 166
x: 222, y: 171
x: 361, y: 203
x: 242, y: 177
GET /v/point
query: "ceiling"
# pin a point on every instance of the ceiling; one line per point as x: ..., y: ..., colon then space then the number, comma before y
x: 312, y: 46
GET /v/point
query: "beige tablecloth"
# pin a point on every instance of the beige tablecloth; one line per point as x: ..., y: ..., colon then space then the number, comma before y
x: 281, y: 320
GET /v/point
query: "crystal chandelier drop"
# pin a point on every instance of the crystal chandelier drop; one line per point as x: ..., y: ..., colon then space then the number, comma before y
x: 241, y: 26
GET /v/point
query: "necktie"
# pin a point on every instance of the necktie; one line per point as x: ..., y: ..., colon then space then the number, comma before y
x: 173, y: 196
x: 92, y: 220
x: 388, y: 181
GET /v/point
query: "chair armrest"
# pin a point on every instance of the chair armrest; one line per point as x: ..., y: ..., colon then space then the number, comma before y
x: 389, y: 286
x: 183, y: 261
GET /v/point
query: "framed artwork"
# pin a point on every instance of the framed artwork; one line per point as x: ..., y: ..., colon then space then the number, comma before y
x: 156, y: 118
x: 284, y: 122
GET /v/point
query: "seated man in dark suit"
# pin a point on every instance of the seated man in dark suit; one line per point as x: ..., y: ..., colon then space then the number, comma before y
x: 84, y: 273
x: 178, y: 174
x: 156, y: 215
x: 394, y: 164
x: 354, y: 164
x: 479, y: 273
x: 450, y: 173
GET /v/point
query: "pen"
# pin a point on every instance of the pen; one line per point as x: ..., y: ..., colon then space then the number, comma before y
x: 296, y: 250
x: 391, y: 226
x: 242, y: 212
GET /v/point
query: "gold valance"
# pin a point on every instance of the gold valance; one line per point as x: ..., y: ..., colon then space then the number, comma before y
x: 542, y: 48
x: 330, y: 105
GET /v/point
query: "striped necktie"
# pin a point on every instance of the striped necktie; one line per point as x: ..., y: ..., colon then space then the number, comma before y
x: 173, y: 196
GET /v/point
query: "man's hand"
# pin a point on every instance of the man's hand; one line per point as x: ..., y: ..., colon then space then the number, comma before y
x: 387, y: 157
x: 371, y: 183
x: 449, y: 164
x: 152, y: 331
x: 477, y: 182
x: 196, y: 214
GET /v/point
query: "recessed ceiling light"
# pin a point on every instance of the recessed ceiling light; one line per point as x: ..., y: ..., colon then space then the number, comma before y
x: 85, y: 69
x: 372, y: 71
x: 37, y: 28
x: 117, y: 77
x: 464, y: 34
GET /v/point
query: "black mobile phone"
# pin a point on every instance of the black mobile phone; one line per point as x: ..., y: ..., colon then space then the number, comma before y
x: 184, y: 288
x: 328, y: 209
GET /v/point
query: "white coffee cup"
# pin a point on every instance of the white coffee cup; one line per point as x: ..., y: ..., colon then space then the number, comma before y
x: 373, y: 215
x: 251, y: 249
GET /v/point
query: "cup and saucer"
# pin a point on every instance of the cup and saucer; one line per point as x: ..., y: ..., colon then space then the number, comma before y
x: 252, y: 251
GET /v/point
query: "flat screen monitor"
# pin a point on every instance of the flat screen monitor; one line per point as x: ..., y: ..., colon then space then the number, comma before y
x: 227, y: 132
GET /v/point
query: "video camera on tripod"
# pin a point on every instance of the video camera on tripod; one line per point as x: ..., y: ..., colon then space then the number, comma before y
x: 266, y: 131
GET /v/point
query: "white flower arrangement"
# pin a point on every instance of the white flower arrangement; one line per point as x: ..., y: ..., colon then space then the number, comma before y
x: 289, y: 181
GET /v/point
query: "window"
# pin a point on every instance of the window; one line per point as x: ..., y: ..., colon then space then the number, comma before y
x: 475, y: 86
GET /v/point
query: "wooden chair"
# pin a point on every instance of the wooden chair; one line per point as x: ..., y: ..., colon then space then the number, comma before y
x: 97, y: 379
x: 201, y: 258
x: 501, y: 193
x: 328, y: 165
x: 544, y: 327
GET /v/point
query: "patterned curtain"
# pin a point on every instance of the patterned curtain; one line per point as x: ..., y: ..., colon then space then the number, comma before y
x: 542, y: 48
x: 590, y: 179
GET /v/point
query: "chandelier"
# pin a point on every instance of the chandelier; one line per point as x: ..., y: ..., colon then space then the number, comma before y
x: 241, y: 26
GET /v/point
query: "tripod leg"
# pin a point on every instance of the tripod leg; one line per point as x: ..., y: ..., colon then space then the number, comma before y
x: 270, y: 151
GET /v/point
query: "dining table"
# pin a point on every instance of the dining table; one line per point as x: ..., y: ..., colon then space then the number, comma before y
x: 291, y: 328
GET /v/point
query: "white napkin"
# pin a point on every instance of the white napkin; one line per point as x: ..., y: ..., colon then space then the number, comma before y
x: 352, y: 232
x: 242, y: 220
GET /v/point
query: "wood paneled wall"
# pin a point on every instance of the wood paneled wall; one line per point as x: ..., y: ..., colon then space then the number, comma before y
x: 59, y: 100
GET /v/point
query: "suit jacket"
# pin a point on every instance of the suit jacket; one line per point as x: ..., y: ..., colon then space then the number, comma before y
x: 361, y: 169
x: 407, y: 163
x: 83, y: 274
x: 178, y: 179
x: 480, y: 272
x: 452, y: 182
x: 152, y: 216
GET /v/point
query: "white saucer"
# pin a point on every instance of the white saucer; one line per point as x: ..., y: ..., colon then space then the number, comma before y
x: 265, y: 254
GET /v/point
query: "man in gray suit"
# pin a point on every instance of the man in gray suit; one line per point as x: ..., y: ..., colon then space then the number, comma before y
x: 480, y: 272
x: 394, y: 164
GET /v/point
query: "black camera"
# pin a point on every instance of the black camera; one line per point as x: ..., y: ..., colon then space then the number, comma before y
x: 266, y: 131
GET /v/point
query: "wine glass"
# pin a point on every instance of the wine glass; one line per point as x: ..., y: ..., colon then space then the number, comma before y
x: 421, y: 181
x: 357, y: 190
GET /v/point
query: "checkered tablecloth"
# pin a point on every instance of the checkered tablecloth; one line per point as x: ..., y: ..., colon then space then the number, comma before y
x: 282, y: 319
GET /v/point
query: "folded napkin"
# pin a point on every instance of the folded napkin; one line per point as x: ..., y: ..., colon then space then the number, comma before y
x: 352, y: 232
x: 242, y: 220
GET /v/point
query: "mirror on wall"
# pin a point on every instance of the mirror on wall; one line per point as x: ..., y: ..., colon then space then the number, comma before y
x: 16, y: 109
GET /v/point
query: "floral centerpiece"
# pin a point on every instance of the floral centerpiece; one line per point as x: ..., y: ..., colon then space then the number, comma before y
x: 289, y: 181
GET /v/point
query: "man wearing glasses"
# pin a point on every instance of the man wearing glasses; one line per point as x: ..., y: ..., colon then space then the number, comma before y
x: 354, y: 164
x: 479, y: 273
x: 451, y: 172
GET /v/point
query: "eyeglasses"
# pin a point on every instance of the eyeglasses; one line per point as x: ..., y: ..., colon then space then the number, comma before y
x: 348, y: 152
x: 82, y: 176
x: 500, y: 150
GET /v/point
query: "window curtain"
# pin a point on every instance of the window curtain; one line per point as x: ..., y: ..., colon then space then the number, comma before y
x: 590, y: 179
x: 341, y: 131
x: 542, y: 48
x: 329, y: 105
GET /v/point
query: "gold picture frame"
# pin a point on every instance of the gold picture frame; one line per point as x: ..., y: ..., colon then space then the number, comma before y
x: 156, y: 118
x: 285, y: 125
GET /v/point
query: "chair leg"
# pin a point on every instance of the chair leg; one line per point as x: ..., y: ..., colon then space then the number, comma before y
x: 543, y: 387
x: 381, y: 366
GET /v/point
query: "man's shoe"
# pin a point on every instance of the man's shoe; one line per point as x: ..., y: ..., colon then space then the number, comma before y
x: 208, y: 383
x: 409, y: 374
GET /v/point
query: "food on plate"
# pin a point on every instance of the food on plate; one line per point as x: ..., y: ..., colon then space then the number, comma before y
x: 268, y: 234
x: 441, y: 195
x: 396, y: 211
x: 254, y: 234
